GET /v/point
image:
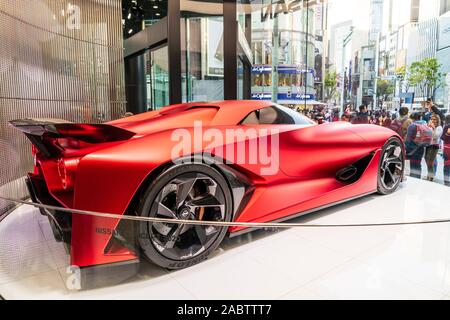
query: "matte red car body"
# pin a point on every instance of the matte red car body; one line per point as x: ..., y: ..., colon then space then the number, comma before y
x: 104, y: 177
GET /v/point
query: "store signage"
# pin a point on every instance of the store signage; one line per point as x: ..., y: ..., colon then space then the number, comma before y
x: 294, y: 70
x: 295, y: 96
x: 261, y: 96
x: 283, y: 6
x: 281, y: 69
x: 284, y: 96
x: 261, y: 69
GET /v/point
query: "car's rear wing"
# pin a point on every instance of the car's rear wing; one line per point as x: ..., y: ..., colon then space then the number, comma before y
x: 41, y: 132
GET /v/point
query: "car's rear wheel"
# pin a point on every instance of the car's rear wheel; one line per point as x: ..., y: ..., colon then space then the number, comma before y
x: 391, y: 167
x: 186, y: 192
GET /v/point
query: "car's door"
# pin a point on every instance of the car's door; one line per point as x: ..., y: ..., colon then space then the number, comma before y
x: 304, y: 148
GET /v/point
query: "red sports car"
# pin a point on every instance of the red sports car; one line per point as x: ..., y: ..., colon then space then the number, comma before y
x: 242, y: 161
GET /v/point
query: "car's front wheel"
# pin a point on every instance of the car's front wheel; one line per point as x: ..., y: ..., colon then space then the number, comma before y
x: 185, y: 192
x: 391, y: 167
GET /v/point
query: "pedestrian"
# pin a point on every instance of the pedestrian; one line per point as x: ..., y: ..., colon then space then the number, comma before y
x: 386, y: 120
x: 345, y: 118
x: 428, y: 110
x: 401, y: 124
x: 432, y: 150
x: 418, y: 136
x: 348, y: 109
x: 432, y: 109
x: 375, y: 118
x: 446, y: 141
x: 362, y: 117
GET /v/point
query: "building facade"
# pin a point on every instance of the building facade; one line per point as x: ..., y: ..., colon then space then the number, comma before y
x: 262, y: 50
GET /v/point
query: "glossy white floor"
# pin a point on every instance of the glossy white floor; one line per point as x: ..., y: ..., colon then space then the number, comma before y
x: 404, y: 262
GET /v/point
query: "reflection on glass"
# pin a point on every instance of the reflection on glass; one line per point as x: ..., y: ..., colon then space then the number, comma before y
x: 202, y: 50
x: 240, y: 79
x: 280, y: 35
x: 157, y: 78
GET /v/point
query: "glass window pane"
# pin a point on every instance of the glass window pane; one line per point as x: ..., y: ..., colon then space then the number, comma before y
x: 157, y: 79
x: 282, y: 48
x: 202, y: 50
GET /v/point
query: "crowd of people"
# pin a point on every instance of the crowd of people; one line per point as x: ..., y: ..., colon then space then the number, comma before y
x: 426, y: 134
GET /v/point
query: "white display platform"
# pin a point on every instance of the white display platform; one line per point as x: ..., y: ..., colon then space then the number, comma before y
x: 405, y: 262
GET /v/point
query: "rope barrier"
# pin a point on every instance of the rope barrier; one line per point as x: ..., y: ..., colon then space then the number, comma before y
x: 219, y: 223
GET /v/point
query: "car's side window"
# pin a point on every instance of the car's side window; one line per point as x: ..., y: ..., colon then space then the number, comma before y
x: 276, y: 115
x: 251, y: 119
x: 270, y: 115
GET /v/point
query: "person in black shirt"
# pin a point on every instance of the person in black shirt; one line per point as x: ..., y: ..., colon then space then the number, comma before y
x: 362, y: 117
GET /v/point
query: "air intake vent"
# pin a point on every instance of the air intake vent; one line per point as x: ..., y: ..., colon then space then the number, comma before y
x: 353, y: 172
x: 346, y: 174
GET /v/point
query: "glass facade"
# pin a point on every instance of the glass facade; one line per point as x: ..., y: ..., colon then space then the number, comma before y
x: 282, y: 48
x: 157, y: 78
x: 202, y: 51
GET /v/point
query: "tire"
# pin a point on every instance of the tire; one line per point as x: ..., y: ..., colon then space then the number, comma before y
x: 173, y: 194
x: 391, y: 167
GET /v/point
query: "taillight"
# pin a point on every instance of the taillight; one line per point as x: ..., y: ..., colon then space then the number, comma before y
x: 66, y: 172
x: 34, y: 152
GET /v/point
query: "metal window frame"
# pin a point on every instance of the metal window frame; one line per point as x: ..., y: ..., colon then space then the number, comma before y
x: 167, y: 31
x: 230, y: 30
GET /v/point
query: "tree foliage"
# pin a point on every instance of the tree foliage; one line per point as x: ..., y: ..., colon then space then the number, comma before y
x: 426, y: 76
x: 385, y: 88
x: 330, y: 84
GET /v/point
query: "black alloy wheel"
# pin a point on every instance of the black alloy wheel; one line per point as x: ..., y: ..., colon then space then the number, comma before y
x: 392, y: 166
x: 186, y: 192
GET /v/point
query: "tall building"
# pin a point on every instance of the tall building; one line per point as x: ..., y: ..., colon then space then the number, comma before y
x: 345, y: 44
x: 442, y: 96
x: 376, y: 19
x: 423, y: 40
x: 399, y: 12
x: 433, y: 8
x: 337, y: 34
x: 400, y: 19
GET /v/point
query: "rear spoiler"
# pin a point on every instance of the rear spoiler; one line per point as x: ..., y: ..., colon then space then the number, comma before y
x: 39, y: 131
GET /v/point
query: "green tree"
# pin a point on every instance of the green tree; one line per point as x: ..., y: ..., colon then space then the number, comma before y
x: 426, y: 76
x: 385, y: 88
x: 330, y: 84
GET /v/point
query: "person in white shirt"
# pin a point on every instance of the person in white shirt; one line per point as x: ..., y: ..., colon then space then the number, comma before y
x: 433, y: 149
